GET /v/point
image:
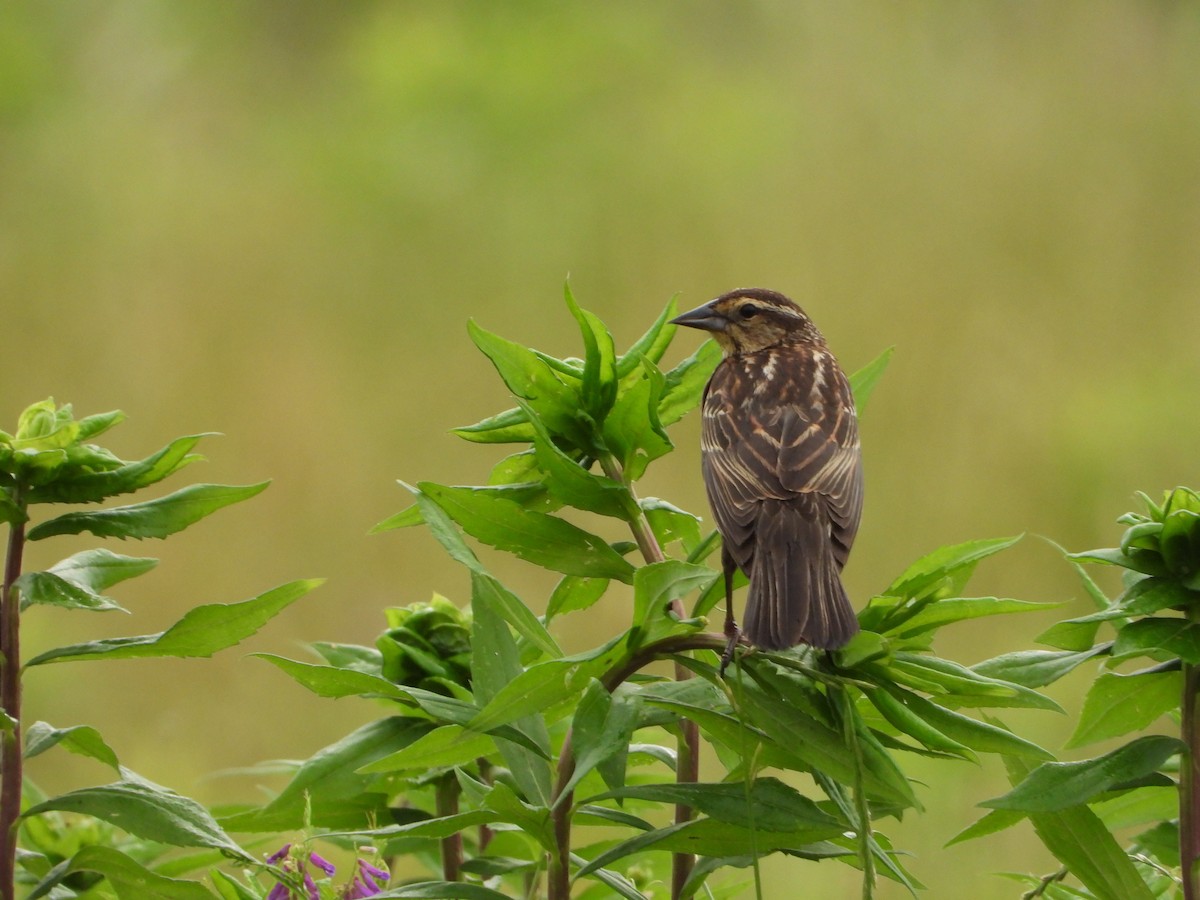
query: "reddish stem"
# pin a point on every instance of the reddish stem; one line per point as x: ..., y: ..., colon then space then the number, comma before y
x: 687, y: 765
x: 1189, y: 783
x: 10, y: 700
x: 560, y: 860
x: 447, y: 792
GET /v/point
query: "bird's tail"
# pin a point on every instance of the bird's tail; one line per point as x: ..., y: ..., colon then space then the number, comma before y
x: 796, y: 592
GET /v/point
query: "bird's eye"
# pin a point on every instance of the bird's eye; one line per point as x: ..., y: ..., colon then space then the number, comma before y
x: 748, y: 311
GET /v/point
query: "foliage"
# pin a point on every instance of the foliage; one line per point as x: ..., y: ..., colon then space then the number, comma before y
x: 501, y: 766
x: 541, y: 770
x: 1149, y: 784
x: 68, y: 842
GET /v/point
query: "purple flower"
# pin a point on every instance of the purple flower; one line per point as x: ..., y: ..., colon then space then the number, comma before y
x: 323, y: 864
x: 279, y: 854
x: 297, y: 864
x: 369, y: 880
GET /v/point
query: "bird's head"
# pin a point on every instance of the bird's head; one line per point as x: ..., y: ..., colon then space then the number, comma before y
x: 751, y: 319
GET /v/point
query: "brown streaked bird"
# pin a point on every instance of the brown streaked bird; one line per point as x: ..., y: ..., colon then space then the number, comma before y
x: 782, y: 468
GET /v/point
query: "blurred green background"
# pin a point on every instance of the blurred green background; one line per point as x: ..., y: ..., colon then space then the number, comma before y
x: 273, y: 219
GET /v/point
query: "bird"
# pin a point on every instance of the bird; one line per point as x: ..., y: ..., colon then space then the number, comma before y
x: 782, y: 468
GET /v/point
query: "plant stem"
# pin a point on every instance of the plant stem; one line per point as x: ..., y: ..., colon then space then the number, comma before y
x: 862, y: 808
x: 560, y: 814
x: 559, y: 875
x: 687, y: 760
x: 1189, y: 783
x: 687, y: 771
x: 10, y: 700
x: 452, y: 845
x: 1047, y: 881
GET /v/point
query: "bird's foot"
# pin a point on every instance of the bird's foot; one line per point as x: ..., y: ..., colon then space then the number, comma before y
x: 734, y: 635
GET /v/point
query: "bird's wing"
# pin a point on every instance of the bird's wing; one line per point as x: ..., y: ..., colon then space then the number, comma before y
x: 764, y: 449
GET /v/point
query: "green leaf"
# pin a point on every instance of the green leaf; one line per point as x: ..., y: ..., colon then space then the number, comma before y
x: 147, y: 810
x: 330, y: 789
x: 683, y: 385
x: 723, y: 729
x: 509, y: 427
x: 707, y: 837
x: 230, y: 888
x: 542, y: 539
x: 1118, y: 704
x: 349, y: 656
x: 448, y: 745
x: 100, y: 569
x: 1076, y: 636
x: 655, y: 588
x: 44, y: 425
x: 433, y: 828
x: 532, y: 379
x: 201, y: 632
x: 76, y: 581
x: 337, y: 681
x: 1145, y: 596
x: 670, y: 523
x: 520, y: 468
x: 957, y: 609
x: 823, y: 748
x: 633, y: 430
x: 98, y: 423
x: 766, y: 803
x: 575, y: 593
x: 1035, y: 668
x: 937, y: 568
x: 892, y: 703
x: 617, y: 884
x: 603, y: 728
x: 533, y: 820
x: 535, y: 690
x: 572, y: 484
x: 995, y: 821
x: 1079, y: 840
x: 877, y: 844
x: 80, y: 739
x: 495, y: 663
x: 486, y: 589
x: 1179, y: 637
x: 600, y: 362
x: 48, y: 589
x: 1160, y: 843
x: 654, y: 343
x: 864, y: 647
x: 1180, y: 542
x: 152, y: 519
x: 331, y: 681
x: 862, y: 382
x: 965, y: 686
x: 10, y: 512
x: 92, y: 487
x: 1155, y: 594
x: 1089, y: 583
x: 442, y: 527
x: 1056, y: 786
x: 1148, y: 563
x: 127, y: 877
x: 546, y: 684
x: 971, y: 732
x: 406, y: 518
x: 1140, y: 806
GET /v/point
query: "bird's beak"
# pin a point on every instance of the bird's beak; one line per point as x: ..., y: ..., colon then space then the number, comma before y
x: 703, y: 317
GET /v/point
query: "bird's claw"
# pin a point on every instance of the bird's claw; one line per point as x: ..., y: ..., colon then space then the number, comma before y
x: 734, y: 635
